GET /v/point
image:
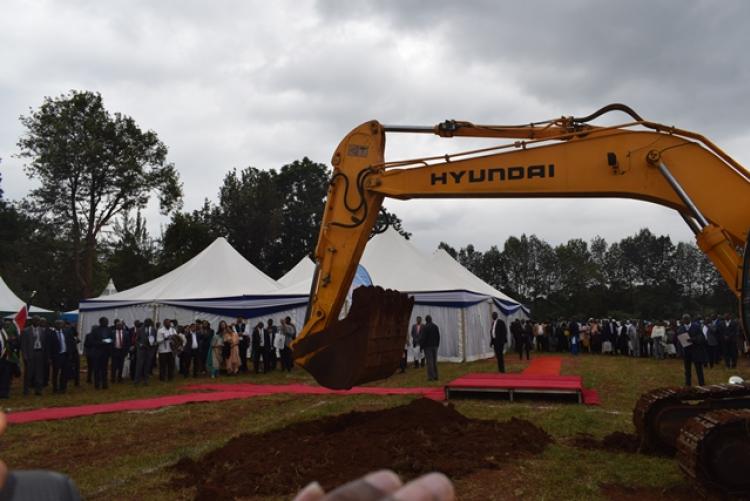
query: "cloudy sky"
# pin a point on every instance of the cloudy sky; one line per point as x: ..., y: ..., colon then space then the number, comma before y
x: 235, y: 83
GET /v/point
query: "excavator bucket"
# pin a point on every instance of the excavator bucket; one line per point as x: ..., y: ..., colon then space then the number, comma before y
x: 365, y: 346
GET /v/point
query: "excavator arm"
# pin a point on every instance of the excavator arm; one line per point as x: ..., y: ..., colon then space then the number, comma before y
x: 565, y: 157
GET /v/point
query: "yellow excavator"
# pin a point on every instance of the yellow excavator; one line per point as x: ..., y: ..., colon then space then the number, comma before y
x: 561, y: 157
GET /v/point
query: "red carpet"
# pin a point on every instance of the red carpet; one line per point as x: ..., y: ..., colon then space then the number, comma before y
x: 541, y: 377
x: 541, y: 373
x: 546, y: 366
x: 215, y: 393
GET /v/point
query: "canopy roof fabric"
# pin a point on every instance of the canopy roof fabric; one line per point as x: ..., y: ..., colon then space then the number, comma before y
x: 302, y: 271
x: 10, y: 303
x: 394, y: 263
x: 219, y: 271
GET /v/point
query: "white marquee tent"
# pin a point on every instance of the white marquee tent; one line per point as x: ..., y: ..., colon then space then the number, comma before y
x: 459, y: 302
x: 10, y: 304
x: 301, y: 272
x: 217, y: 283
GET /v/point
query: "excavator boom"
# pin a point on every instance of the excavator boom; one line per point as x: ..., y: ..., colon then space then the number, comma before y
x: 565, y: 157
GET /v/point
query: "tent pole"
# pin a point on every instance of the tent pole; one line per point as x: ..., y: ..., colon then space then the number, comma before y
x: 462, y: 344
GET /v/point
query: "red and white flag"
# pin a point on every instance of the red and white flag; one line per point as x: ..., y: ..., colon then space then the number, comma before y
x: 20, y: 319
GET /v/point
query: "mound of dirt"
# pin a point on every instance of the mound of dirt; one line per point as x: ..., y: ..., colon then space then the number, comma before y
x: 614, y: 442
x: 417, y: 438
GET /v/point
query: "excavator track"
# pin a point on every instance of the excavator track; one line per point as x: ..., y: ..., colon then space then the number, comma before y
x: 714, y: 449
x: 660, y: 414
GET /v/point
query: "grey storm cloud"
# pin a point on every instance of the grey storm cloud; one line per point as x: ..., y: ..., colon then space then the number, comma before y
x: 237, y: 83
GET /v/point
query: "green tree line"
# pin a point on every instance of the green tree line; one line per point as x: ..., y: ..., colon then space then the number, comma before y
x: 641, y: 276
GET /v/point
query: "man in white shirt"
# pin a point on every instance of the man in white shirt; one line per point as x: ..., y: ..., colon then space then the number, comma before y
x: 166, y: 357
x: 658, y: 335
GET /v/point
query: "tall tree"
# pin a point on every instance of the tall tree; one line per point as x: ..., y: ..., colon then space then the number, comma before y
x: 132, y: 260
x: 450, y: 250
x: 92, y: 166
x: 249, y: 214
x: 302, y: 186
x: 186, y: 235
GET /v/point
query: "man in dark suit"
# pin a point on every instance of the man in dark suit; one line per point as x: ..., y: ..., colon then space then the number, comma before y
x: 430, y: 343
x: 145, y: 345
x: 729, y: 331
x: 243, y: 332
x: 498, y: 338
x: 61, y: 349
x: 74, y: 357
x: 269, y: 352
x: 204, y: 338
x: 191, y: 352
x: 120, y: 348
x: 527, y: 335
x: 34, y: 351
x: 256, y: 347
x: 99, y: 342
x: 694, y: 349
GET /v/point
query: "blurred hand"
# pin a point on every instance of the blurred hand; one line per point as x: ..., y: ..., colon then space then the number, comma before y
x: 384, y: 486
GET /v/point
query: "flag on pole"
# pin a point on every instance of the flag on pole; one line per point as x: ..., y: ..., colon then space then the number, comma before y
x: 20, y: 319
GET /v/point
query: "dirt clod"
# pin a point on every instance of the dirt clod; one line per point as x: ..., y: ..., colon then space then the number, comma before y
x: 413, y: 439
x: 614, y: 442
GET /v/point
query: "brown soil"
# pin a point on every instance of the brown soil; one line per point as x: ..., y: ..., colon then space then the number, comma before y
x: 614, y: 442
x: 413, y: 439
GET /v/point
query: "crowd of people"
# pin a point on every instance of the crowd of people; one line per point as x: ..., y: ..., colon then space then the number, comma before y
x: 700, y: 342
x: 634, y: 338
x: 42, y: 353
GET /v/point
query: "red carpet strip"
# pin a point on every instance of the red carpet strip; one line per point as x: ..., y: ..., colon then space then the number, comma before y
x: 215, y: 393
x: 545, y: 366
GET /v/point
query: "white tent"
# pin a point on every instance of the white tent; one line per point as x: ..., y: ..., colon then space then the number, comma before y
x: 460, y: 303
x: 217, y: 283
x: 301, y: 272
x: 10, y: 304
x: 109, y: 289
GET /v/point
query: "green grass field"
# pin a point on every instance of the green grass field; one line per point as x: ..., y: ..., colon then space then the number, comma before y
x: 128, y: 455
